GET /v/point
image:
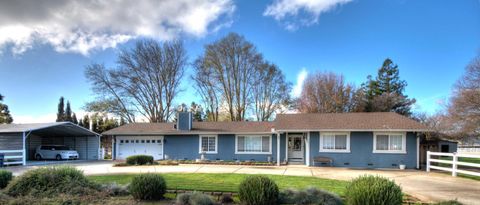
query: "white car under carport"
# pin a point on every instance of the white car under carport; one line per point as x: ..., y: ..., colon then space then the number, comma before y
x: 18, y: 142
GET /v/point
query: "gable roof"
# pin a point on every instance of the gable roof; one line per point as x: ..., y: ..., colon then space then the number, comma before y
x: 51, y: 129
x: 360, y: 121
x: 197, y: 127
x: 375, y: 121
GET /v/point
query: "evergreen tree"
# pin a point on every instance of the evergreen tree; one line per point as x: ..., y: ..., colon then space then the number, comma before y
x: 74, y: 119
x: 80, y: 122
x: 122, y: 121
x: 385, y: 92
x: 197, y: 112
x: 61, y: 110
x: 5, y: 117
x: 68, y: 113
x: 86, y: 122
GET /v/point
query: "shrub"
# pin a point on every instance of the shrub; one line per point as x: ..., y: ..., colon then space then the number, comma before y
x: 51, y: 181
x: 147, y: 187
x: 139, y: 160
x: 258, y: 190
x: 5, y: 178
x: 309, y: 196
x: 373, y: 190
x: 195, y: 198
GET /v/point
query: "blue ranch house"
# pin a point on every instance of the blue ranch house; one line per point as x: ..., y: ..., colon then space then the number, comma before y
x: 363, y: 140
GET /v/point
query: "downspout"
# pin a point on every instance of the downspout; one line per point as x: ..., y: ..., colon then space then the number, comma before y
x: 278, y: 149
x: 24, y: 155
x: 307, y: 150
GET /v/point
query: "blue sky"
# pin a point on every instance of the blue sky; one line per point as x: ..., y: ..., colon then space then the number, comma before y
x: 431, y: 41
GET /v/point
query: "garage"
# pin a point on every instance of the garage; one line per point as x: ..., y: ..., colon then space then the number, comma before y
x: 146, y: 145
x: 19, y: 142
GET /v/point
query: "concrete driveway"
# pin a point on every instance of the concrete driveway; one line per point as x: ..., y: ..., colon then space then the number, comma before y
x: 425, y: 186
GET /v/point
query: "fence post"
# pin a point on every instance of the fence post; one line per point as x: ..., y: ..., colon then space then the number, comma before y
x: 454, y: 164
x: 428, y: 161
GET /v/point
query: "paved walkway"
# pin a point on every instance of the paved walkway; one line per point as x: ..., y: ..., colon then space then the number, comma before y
x: 420, y: 184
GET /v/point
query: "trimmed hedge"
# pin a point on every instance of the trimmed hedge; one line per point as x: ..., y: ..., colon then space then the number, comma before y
x: 147, y: 187
x: 195, y: 198
x: 5, y: 178
x: 309, y: 196
x: 373, y: 190
x: 139, y: 160
x: 258, y: 190
x: 52, y: 181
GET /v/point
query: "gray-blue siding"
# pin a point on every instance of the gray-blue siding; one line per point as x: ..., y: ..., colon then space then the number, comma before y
x: 361, y: 152
x: 187, y: 147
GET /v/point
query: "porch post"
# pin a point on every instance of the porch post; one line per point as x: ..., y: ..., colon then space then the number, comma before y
x: 286, y: 146
x: 24, y: 155
x: 307, y: 149
x: 418, y: 152
x: 278, y: 149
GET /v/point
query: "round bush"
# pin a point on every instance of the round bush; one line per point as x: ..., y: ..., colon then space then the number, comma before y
x: 5, y: 178
x: 373, y: 190
x: 139, y: 160
x: 147, y: 187
x: 309, y: 196
x: 258, y: 190
x: 51, y: 181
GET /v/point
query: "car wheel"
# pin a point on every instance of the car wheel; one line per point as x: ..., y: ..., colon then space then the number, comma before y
x: 59, y: 157
x: 38, y: 157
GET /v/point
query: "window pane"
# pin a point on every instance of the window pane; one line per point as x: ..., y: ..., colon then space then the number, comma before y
x: 204, y: 144
x: 328, y: 141
x: 341, y: 142
x: 382, y: 142
x: 396, y: 142
x: 265, y: 144
x: 241, y: 144
x: 211, y: 144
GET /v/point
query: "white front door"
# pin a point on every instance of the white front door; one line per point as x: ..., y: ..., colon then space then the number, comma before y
x: 295, y: 148
x: 128, y: 146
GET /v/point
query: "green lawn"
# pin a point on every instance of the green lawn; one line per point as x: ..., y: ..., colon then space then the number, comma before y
x: 461, y: 159
x: 228, y: 182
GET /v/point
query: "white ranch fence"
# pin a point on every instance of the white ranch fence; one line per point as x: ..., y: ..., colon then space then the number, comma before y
x: 453, y: 162
x: 12, y: 156
x: 469, y: 149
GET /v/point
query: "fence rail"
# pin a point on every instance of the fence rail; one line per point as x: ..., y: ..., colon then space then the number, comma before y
x: 453, y: 162
x: 12, y: 159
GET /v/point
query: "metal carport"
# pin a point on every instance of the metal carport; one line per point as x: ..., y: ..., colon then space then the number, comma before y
x: 19, y: 141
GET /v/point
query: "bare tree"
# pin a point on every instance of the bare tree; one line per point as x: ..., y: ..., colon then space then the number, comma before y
x: 225, y: 74
x: 464, y: 107
x: 145, y: 81
x: 271, y: 92
x: 326, y: 93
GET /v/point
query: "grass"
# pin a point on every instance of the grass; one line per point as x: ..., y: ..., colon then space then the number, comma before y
x: 228, y: 182
x: 461, y: 159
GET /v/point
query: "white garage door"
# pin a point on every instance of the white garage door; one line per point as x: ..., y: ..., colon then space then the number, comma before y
x: 128, y: 146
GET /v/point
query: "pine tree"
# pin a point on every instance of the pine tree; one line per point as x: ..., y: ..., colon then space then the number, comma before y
x: 61, y: 110
x: 197, y: 112
x: 86, y: 122
x: 385, y: 92
x: 68, y: 113
x: 80, y: 122
x: 74, y: 119
x: 5, y: 117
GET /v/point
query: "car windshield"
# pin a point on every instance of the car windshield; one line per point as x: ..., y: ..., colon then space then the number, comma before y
x: 62, y: 148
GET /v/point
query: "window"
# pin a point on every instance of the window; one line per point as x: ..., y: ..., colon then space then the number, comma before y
x: 253, y: 144
x: 208, y: 144
x: 389, y: 143
x: 335, y: 142
x: 121, y: 141
x: 143, y: 141
x: 137, y: 141
x: 126, y: 141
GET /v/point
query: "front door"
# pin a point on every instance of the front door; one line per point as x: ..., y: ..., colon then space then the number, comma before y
x: 295, y: 148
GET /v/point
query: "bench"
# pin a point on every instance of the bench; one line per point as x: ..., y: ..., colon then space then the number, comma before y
x: 323, y: 160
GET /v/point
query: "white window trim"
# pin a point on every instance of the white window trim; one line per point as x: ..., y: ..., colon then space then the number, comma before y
x: 200, y: 144
x: 404, y: 143
x: 247, y: 135
x: 321, y: 149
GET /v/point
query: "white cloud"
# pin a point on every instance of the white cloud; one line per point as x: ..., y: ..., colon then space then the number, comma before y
x: 19, y: 119
x: 80, y: 26
x: 297, y: 88
x: 296, y: 13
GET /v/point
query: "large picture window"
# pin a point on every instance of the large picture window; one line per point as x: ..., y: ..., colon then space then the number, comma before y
x: 253, y: 144
x: 335, y: 142
x: 389, y: 143
x: 208, y: 144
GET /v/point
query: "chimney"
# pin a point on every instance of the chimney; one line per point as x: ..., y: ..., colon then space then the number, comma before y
x: 184, y: 121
